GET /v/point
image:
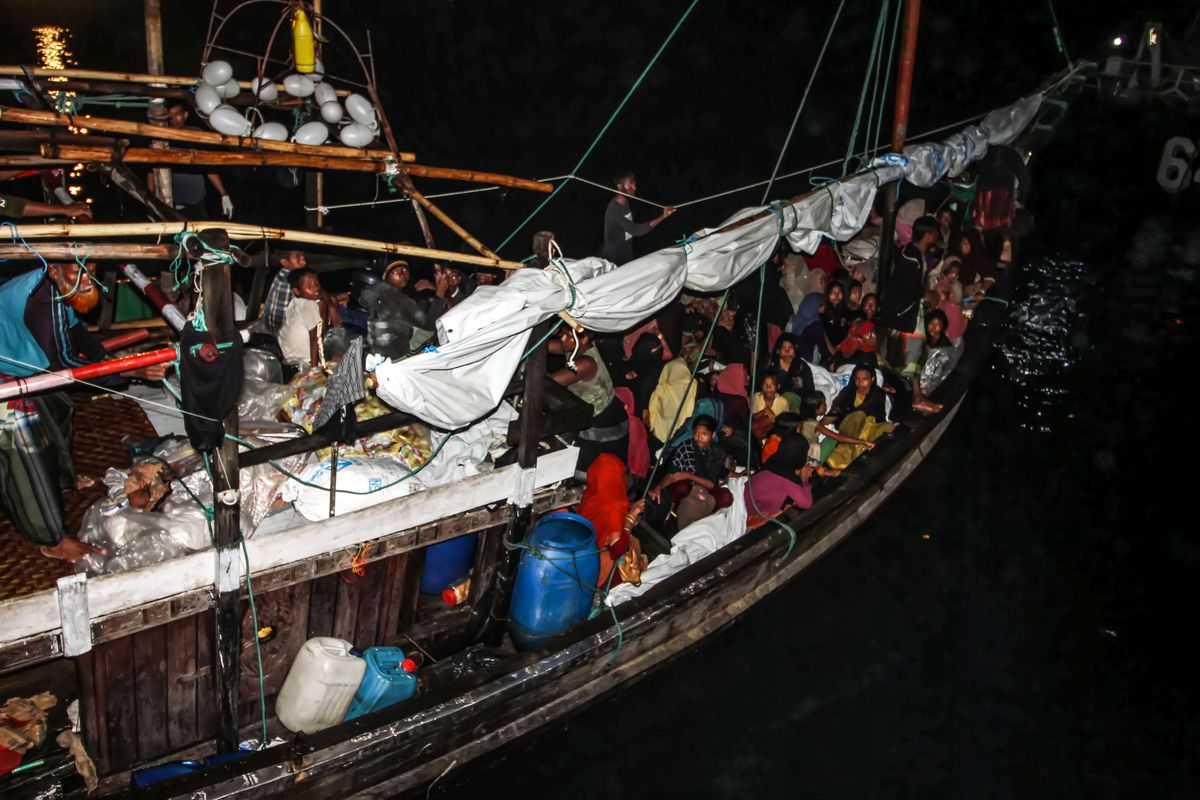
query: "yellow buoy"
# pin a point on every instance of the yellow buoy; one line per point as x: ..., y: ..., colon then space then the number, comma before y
x: 304, y: 47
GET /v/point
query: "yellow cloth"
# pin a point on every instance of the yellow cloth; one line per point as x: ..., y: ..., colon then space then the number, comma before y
x: 779, y: 406
x: 675, y: 384
x: 860, y: 426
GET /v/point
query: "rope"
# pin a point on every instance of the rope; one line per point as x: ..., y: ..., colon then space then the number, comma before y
x: 888, y: 75
x: 1058, y: 40
x: 679, y: 408
x: 16, y: 237
x: 872, y: 63
x: 612, y: 118
x: 803, y: 100
x: 377, y: 202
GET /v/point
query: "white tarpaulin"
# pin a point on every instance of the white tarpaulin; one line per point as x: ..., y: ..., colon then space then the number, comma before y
x: 483, y: 339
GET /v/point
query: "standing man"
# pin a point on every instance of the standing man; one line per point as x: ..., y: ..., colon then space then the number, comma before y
x: 39, y: 332
x: 619, y: 227
x: 906, y: 289
x: 188, y: 188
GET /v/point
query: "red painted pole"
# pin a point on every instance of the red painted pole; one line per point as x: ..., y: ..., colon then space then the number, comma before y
x: 52, y: 380
x: 125, y: 339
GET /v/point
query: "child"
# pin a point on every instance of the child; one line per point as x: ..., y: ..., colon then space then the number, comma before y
x: 308, y: 314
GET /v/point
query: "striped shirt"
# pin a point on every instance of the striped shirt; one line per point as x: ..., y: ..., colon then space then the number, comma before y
x: 275, y: 306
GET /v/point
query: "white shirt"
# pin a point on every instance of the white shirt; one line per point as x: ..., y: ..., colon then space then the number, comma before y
x: 302, y: 316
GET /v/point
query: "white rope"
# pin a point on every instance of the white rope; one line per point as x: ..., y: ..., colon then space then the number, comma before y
x: 372, y: 203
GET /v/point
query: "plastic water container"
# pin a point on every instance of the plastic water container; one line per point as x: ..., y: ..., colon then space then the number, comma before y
x: 390, y: 678
x: 446, y: 562
x: 554, y: 589
x: 319, y: 686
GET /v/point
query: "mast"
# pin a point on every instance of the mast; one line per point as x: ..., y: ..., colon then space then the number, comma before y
x: 908, y: 56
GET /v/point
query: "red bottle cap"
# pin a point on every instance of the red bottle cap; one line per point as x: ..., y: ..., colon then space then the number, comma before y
x: 449, y: 597
x: 408, y: 665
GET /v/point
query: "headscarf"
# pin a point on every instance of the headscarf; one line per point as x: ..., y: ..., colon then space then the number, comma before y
x: 732, y: 380
x: 975, y: 264
x: 605, y: 500
x: 675, y: 386
x: 853, y: 342
x: 808, y: 313
x: 639, y: 442
x: 646, y: 361
x: 791, y: 455
x: 705, y: 407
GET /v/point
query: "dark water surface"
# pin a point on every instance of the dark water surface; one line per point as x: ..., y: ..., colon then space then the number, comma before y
x: 1035, y: 643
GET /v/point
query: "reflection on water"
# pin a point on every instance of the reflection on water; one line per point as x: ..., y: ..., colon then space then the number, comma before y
x: 53, y: 47
x: 1046, y: 340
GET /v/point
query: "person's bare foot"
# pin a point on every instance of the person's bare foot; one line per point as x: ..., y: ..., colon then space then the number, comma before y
x: 71, y: 550
x: 926, y: 407
x: 84, y: 482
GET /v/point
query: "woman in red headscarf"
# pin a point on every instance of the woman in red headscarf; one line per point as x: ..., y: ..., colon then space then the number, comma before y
x: 606, y: 505
x: 860, y: 339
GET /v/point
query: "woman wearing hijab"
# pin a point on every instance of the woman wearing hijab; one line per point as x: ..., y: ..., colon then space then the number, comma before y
x: 860, y: 340
x: 974, y: 262
x: 642, y: 370
x: 784, y: 477
x: 811, y: 342
x: 729, y: 386
x: 836, y: 316
x: 673, y: 400
x: 606, y: 505
x: 639, y: 438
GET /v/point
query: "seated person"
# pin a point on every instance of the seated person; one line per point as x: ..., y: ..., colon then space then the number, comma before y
x: 861, y: 339
x: 606, y: 505
x: 766, y: 406
x: 919, y: 377
x: 785, y: 477
x: 860, y: 413
x: 794, y: 373
x: 695, y: 464
x: 836, y: 316
x: 308, y: 315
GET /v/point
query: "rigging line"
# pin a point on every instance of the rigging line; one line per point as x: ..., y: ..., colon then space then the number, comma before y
x: 620, y: 107
x: 106, y: 390
x: 872, y: 62
x: 368, y: 203
x: 868, y: 141
x: 888, y: 75
x: 1058, y: 40
x: 803, y: 99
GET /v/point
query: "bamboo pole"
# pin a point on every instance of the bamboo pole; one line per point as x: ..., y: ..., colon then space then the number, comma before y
x: 26, y: 116
x: 120, y: 77
x: 91, y: 251
x: 156, y: 114
x: 242, y: 232
x: 206, y: 158
x: 474, y: 176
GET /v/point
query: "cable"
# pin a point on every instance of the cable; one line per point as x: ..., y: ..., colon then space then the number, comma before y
x: 872, y: 62
x: 803, y: 100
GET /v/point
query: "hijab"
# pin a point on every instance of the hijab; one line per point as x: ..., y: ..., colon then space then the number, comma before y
x: 975, y: 263
x: 732, y: 380
x: 639, y: 442
x: 791, y: 456
x: 605, y: 500
x: 646, y: 361
x: 675, y: 386
x: 808, y: 313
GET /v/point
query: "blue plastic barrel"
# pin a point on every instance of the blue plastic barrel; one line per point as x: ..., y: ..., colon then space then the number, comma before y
x: 385, y: 682
x: 556, y: 579
x: 446, y: 562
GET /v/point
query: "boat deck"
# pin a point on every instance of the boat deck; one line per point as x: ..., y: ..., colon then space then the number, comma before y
x: 101, y: 422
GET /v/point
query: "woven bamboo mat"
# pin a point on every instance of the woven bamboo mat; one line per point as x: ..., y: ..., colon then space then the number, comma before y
x: 100, y: 424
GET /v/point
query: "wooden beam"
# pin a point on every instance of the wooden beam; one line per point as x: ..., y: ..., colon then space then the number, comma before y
x: 29, y: 140
x: 18, y: 71
x: 474, y: 176
x: 28, y: 117
x: 207, y: 158
x: 242, y: 231
x: 218, y: 314
x: 64, y: 251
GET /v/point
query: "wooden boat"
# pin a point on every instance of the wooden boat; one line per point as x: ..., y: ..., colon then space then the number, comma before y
x: 146, y: 660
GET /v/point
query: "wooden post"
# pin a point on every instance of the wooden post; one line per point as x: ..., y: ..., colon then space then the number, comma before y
x: 908, y: 57
x: 527, y: 455
x: 157, y: 111
x: 314, y: 182
x: 218, y: 314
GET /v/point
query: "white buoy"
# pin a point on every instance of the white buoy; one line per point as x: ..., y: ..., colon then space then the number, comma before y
x: 228, y: 121
x: 275, y: 131
x: 265, y: 89
x: 216, y: 73
x: 332, y: 112
x: 324, y: 93
x: 311, y: 133
x: 318, y: 73
x: 356, y: 135
x: 361, y: 109
x: 229, y: 90
x: 207, y: 98
x: 298, y: 85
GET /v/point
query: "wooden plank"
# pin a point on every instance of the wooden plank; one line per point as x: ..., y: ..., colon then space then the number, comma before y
x: 391, y: 600
x: 150, y: 682
x: 366, y: 628
x: 298, y: 635
x: 206, y: 716
x: 121, y: 722
x: 345, y: 614
x: 322, y: 602
x: 85, y: 676
x: 181, y: 683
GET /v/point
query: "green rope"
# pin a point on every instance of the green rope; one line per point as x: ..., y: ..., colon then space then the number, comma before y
x: 679, y: 408
x: 549, y: 333
x: 872, y: 62
x: 887, y: 75
x: 1058, y: 40
x: 607, y: 125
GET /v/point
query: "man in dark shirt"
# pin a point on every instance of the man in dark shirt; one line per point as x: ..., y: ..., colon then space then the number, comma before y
x: 619, y: 227
x: 188, y: 191
x: 39, y: 333
x: 697, y: 464
x: 906, y: 289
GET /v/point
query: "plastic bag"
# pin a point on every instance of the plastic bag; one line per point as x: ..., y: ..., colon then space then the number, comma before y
x: 362, y: 481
